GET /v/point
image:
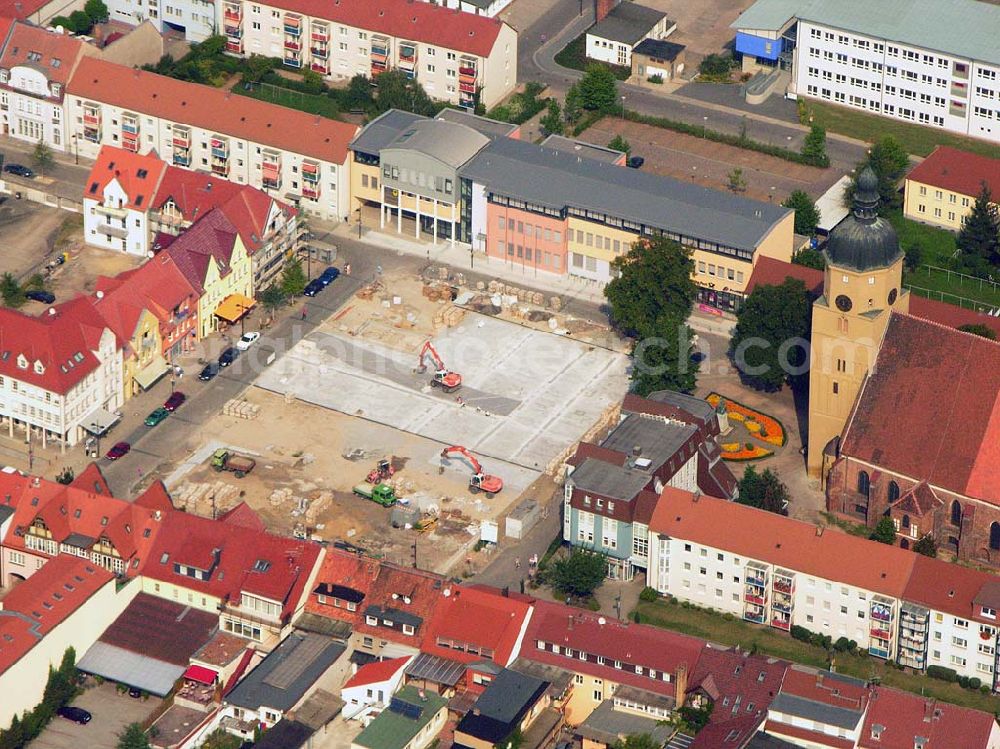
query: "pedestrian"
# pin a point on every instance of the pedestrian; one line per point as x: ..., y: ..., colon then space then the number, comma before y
x: 347, y: 269
x: 517, y: 563
x: 303, y: 312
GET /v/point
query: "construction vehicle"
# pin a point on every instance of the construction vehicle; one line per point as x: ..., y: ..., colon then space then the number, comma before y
x: 383, y: 494
x: 223, y: 460
x: 480, y: 480
x: 381, y: 472
x: 443, y: 377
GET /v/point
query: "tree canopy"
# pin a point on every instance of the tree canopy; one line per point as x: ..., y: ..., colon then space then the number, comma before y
x: 806, y: 213
x: 763, y: 490
x: 598, y: 88
x: 133, y: 737
x: 767, y: 345
x: 396, y: 91
x: 619, y: 143
x: 42, y: 157
x: 977, y: 328
x: 889, y: 160
x: 979, y: 238
x: 579, y: 574
x: 926, y: 545
x: 884, y: 532
x: 552, y: 121
x: 810, y: 259
x: 293, y: 278
x: 814, y: 146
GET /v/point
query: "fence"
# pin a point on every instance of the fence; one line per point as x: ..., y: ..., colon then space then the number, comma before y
x: 944, y: 296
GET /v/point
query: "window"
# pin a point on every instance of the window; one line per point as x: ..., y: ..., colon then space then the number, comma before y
x: 956, y: 513
x: 995, y: 536
x: 864, y: 487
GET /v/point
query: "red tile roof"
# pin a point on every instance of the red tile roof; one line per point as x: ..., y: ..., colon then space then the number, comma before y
x: 213, y: 236
x: 770, y: 271
x: 410, y: 591
x: 350, y: 571
x: 57, y: 54
x: 958, y: 171
x: 43, y: 601
x: 213, y: 109
x: 413, y: 21
x: 946, y: 587
x: 159, y: 628
x: 636, y: 644
x: 815, y: 738
x: 137, y: 174
x: 931, y: 408
x: 586, y: 450
x: 92, y: 480
x: 793, y: 544
x: 904, y: 716
x: 479, y: 617
x: 374, y: 673
x: 244, y: 516
x: 818, y: 686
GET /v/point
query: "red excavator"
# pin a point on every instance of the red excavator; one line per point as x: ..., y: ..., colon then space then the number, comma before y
x: 480, y: 481
x: 383, y: 471
x: 443, y: 378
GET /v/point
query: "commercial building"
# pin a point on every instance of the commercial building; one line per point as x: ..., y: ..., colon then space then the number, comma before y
x: 613, y: 38
x: 461, y: 58
x: 942, y: 188
x: 297, y: 157
x: 913, y: 60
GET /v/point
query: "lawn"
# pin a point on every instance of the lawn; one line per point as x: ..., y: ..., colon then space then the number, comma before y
x: 286, y: 97
x: 711, y: 626
x: 574, y: 55
x: 917, y: 139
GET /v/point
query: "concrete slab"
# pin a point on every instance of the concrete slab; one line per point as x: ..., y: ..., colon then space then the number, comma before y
x: 526, y: 395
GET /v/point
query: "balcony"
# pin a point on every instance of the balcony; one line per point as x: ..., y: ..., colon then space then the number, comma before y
x: 113, y: 231
x: 754, y: 616
x: 879, y: 652
x: 234, y: 32
x: 783, y: 606
x: 130, y: 126
x: 293, y: 26
x: 91, y: 118
x: 232, y: 13
x: 220, y: 168
x: 881, y: 634
x: 292, y: 59
x: 320, y: 67
x: 234, y: 45
x: 785, y: 624
x: 182, y: 159
x: 293, y: 44
x: 311, y: 192
x: 467, y: 88
x: 321, y: 52
x: 111, y: 210
x: 320, y: 35
x: 467, y: 73
x: 757, y: 600
x: 182, y: 140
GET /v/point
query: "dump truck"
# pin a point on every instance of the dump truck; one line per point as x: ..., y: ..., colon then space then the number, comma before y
x: 223, y: 460
x: 384, y: 494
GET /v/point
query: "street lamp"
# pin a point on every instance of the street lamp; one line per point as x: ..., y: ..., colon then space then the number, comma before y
x: 359, y: 222
x: 76, y: 148
x: 623, y: 108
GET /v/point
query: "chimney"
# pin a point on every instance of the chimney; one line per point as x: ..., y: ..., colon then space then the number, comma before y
x: 681, y: 684
x: 505, y: 591
x: 819, y: 530
x: 569, y: 626
x: 602, y: 8
x: 637, y: 451
x: 929, y: 706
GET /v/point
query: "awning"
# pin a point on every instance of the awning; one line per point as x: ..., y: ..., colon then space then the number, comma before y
x: 151, y: 372
x: 234, y: 306
x: 121, y: 665
x: 99, y: 421
x: 201, y: 674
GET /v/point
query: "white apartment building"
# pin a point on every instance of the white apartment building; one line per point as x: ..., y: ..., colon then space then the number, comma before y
x: 60, y: 373
x: 117, y: 198
x: 194, y: 19
x: 457, y: 57
x: 290, y: 155
x: 930, y: 63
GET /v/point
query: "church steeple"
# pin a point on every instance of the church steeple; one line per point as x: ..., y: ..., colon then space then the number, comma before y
x: 863, y: 240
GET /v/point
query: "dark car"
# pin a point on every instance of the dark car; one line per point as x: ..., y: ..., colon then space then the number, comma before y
x: 157, y: 416
x: 134, y: 692
x: 636, y: 162
x: 314, y: 287
x: 329, y: 276
x: 211, y: 370
x: 228, y: 356
x: 175, y: 401
x: 75, y: 714
x: 40, y: 295
x: 119, y: 450
x: 19, y: 169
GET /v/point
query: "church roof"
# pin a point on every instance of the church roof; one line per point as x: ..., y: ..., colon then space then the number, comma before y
x: 920, y: 500
x: 930, y: 408
x: 863, y: 240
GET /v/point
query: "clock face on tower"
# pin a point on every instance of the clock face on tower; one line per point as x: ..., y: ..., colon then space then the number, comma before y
x: 892, y: 297
x: 843, y: 303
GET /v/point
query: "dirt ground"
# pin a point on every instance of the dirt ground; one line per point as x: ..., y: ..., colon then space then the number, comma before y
x: 709, y: 164
x: 28, y: 230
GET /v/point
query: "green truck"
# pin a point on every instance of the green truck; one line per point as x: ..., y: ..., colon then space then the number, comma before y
x: 384, y: 494
x: 240, y: 465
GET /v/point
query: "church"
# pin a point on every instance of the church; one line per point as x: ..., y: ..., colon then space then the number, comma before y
x: 904, y: 411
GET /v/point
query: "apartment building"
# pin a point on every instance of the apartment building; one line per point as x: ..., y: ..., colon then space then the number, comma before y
x: 918, y: 61
x: 117, y: 197
x: 942, y: 188
x: 194, y: 20
x: 461, y: 58
x: 290, y: 155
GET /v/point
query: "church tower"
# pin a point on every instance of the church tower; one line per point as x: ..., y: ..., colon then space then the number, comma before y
x: 862, y: 285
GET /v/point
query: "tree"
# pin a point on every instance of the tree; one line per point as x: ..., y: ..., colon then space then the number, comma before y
x: 637, y: 741
x: 312, y: 82
x: 42, y: 156
x: 293, y: 278
x: 810, y: 259
x: 598, y: 88
x: 737, y: 181
x: 926, y: 545
x: 814, y: 146
x: 66, y: 477
x: 769, y: 342
x: 257, y: 66
x: 977, y: 328
x: 133, y: 737
x: 716, y: 66
x: 221, y: 739
x: 763, y: 490
x: 979, y: 239
x: 579, y: 574
x: 552, y: 122
x: 573, y: 105
x: 63, y: 21
x: 913, y: 257
x: 885, y: 532
x: 358, y: 95
x: 11, y: 291
x: 889, y: 160
x: 806, y: 213
x: 620, y: 144
x: 273, y: 298
x: 395, y: 91
x: 96, y: 11
x: 80, y: 22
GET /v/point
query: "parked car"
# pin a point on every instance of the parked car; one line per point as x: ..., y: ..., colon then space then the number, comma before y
x: 41, y: 295
x: 636, y: 162
x: 175, y: 401
x: 134, y: 692
x: 328, y: 276
x: 313, y: 287
x: 75, y: 714
x: 19, y: 169
x: 118, y: 450
x: 228, y: 356
x: 211, y: 370
x: 157, y: 416
x: 248, y: 340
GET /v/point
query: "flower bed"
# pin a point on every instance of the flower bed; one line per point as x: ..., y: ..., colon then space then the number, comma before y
x: 761, y: 426
x: 747, y: 452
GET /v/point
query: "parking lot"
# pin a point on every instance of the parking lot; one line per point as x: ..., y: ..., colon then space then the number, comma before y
x: 111, y: 713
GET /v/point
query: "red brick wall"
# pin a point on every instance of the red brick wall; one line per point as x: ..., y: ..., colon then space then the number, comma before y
x: 603, y: 7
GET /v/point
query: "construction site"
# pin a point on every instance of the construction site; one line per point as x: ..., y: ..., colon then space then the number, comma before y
x: 420, y: 413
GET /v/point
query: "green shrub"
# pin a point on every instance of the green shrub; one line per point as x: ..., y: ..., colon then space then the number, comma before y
x: 942, y: 673
x: 655, y: 78
x: 801, y: 633
x: 975, y: 682
x: 593, y: 605
x: 648, y: 594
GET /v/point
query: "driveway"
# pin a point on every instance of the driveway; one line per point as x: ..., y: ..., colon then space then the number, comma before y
x: 111, y: 711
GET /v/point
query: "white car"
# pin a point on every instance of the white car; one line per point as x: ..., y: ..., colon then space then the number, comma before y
x: 248, y: 340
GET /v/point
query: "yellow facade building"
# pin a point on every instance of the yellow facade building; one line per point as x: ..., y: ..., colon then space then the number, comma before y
x: 942, y: 189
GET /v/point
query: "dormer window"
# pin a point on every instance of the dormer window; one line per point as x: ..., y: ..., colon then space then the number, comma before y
x: 4, y: 75
x: 39, y: 368
x: 371, y: 620
x: 408, y: 629
x: 34, y: 56
x: 22, y: 361
x: 988, y: 612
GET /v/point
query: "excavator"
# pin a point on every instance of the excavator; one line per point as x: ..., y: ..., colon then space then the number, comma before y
x: 479, y: 481
x: 443, y: 378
